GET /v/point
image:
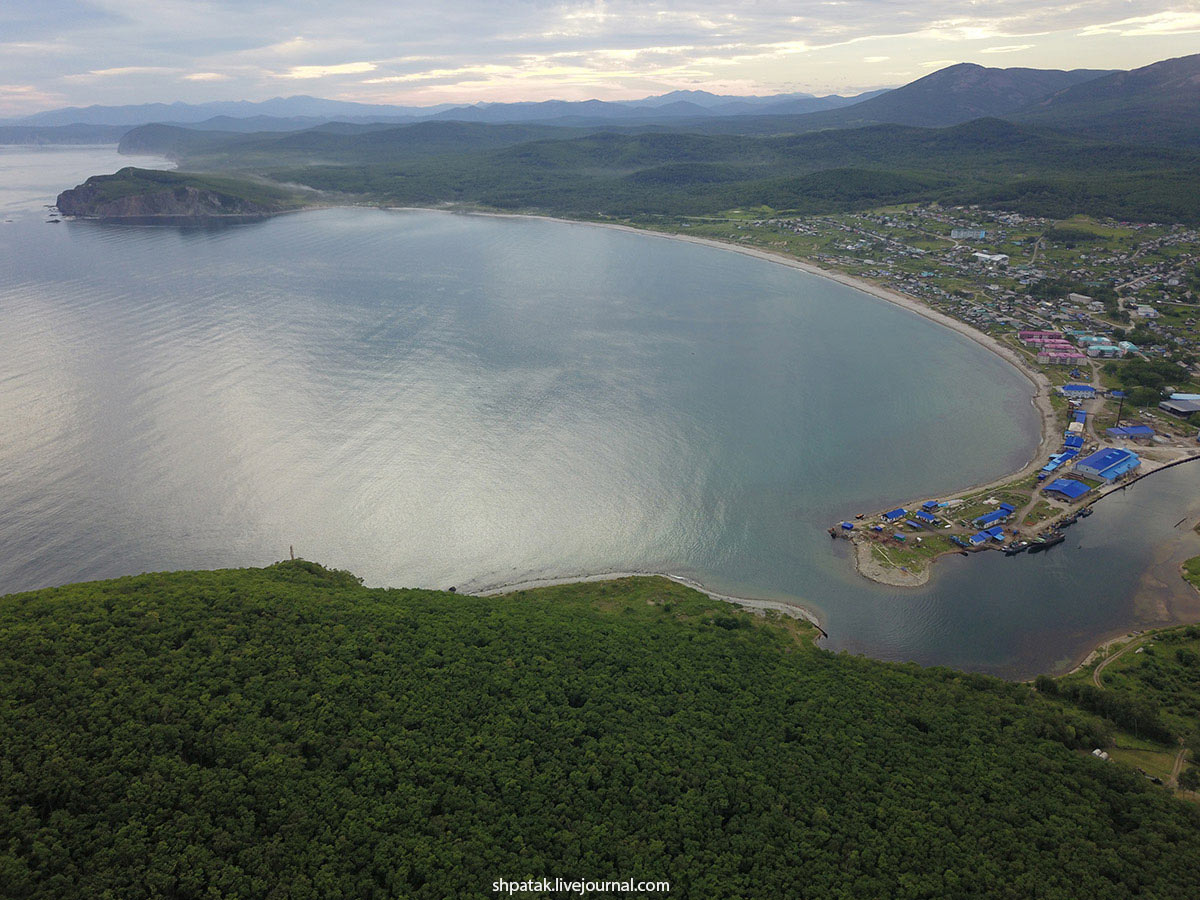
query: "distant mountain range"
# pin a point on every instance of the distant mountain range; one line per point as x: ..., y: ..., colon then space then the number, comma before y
x: 1159, y: 104
x: 288, y: 113
x: 313, y: 108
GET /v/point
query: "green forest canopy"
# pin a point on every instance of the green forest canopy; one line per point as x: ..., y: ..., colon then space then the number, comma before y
x: 655, y: 173
x: 288, y: 733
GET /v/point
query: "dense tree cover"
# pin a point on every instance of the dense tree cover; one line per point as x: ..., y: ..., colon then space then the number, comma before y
x: 132, y: 181
x: 1065, y: 234
x: 662, y: 172
x: 1164, y: 678
x: 287, y: 733
x: 1149, y: 373
x: 1058, y: 288
x: 1130, y: 710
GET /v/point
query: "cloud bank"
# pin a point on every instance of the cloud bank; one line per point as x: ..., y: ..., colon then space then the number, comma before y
x: 73, y: 52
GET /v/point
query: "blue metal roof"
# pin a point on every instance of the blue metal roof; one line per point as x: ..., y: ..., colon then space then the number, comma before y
x: 1057, y: 459
x: 897, y: 513
x: 1108, y: 463
x: 924, y: 517
x: 998, y: 516
x: 1068, y: 487
x: 1132, y: 431
x: 1073, y: 441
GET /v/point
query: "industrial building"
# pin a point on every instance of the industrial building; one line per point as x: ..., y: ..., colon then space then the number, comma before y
x: 1180, y: 407
x: 1131, y: 431
x: 1108, y: 464
x: 1068, y: 487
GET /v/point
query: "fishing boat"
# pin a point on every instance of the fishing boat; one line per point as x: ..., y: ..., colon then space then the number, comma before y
x: 1015, y: 548
x: 1085, y: 512
x: 1047, y: 541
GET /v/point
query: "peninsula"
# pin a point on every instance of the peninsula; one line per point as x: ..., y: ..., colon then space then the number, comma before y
x: 133, y: 194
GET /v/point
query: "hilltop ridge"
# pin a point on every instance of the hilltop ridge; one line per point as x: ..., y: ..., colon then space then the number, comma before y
x: 257, y: 732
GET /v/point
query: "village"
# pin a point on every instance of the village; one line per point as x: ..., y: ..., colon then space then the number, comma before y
x: 1135, y: 287
x: 1029, y: 512
x: 1102, y: 314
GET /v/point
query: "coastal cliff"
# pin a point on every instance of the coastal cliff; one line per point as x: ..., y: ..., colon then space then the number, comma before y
x: 149, y: 194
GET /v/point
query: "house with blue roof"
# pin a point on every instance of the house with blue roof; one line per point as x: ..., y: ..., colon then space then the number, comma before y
x: 898, y: 513
x: 1073, y: 441
x: 925, y: 517
x: 1057, y: 459
x: 1001, y: 514
x: 1077, y: 391
x: 1108, y: 464
x: 982, y: 537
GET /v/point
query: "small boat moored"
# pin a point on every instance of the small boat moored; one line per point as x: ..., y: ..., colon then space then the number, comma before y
x: 1047, y: 541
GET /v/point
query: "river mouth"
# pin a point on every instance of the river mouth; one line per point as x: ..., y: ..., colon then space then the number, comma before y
x: 431, y: 399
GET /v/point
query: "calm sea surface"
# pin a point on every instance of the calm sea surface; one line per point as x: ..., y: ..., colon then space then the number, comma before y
x: 431, y: 399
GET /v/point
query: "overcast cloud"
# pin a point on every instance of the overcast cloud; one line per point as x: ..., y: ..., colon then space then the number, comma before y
x: 77, y: 52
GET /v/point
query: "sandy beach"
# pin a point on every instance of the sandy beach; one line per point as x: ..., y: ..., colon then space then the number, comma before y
x: 756, y: 605
x: 865, y: 563
x: 1041, y: 387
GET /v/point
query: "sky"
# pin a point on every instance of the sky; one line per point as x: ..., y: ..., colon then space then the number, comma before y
x: 56, y: 53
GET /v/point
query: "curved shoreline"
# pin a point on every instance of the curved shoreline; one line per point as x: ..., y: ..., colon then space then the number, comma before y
x: 864, y: 563
x: 897, y: 298
x: 795, y: 610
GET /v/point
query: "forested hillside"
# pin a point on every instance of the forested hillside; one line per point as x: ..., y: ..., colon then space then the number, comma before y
x: 651, y: 174
x: 286, y: 732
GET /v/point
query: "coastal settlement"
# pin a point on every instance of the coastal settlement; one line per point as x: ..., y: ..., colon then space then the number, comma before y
x: 1103, y: 316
